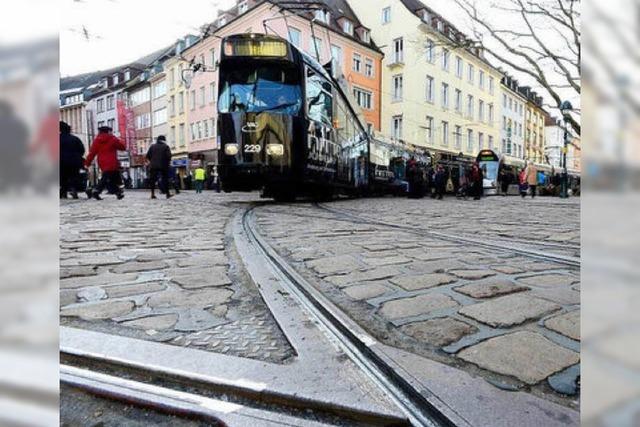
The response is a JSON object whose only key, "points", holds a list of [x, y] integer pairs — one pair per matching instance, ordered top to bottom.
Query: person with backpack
{"points": [[105, 147], [159, 159], [522, 183]]}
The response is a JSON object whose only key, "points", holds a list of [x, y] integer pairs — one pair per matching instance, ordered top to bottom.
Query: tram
{"points": [[286, 126], [489, 162]]}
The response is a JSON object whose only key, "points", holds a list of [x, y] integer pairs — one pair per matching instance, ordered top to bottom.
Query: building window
{"points": [[243, 6], [386, 15], [440, 26], [347, 27], [295, 36], [366, 36], [316, 47], [398, 50], [431, 51], [336, 54], [212, 56], [445, 59], [357, 62], [368, 67], [459, 67], [470, 73], [127, 75], [115, 79], [481, 79], [491, 85], [397, 87], [160, 89], [212, 90], [445, 95], [202, 96], [431, 96], [363, 98], [192, 100], [458, 101], [504, 101], [110, 102], [181, 103], [100, 105], [470, 107], [481, 110], [491, 114], [160, 116], [143, 121], [100, 123], [504, 123], [112, 124], [396, 126], [192, 128], [429, 129], [205, 131], [445, 133], [181, 135], [172, 137], [458, 137], [470, 140], [480, 141], [490, 142]]}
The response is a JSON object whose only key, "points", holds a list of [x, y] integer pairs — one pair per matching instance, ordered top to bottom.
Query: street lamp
{"points": [[565, 109]]}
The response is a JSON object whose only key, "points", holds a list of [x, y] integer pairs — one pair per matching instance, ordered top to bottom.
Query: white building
{"points": [[73, 111], [512, 113]]}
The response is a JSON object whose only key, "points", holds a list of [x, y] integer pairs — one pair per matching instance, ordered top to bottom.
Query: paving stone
{"points": [[374, 247], [96, 248], [424, 254], [157, 256], [204, 260], [387, 260], [99, 261], [333, 265], [139, 266], [438, 266], [541, 266], [507, 269], [82, 271], [473, 274], [363, 276], [202, 279], [549, 280], [422, 281], [490, 288], [134, 289], [365, 291], [94, 293], [67, 296], [563, 296], [199, 299], [414, 306], [100, 310], [509, 310], [159, 323], [567, 324], [439, 332], [526, 355]]}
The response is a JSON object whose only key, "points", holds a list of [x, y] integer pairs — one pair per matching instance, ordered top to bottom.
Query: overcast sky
{"points": [[120, 31]]}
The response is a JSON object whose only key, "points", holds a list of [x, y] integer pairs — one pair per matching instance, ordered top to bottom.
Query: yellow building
{"points": [[435, 93], [177, 102], [534, 141]]}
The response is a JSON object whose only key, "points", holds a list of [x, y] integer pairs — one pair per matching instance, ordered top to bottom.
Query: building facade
{"points": [[435, 93], [137, 106], [73, 111], [159, 112], [512, 113], [534, 126]]}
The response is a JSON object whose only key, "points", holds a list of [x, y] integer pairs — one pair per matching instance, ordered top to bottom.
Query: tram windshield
{"points": [[261, 88]]}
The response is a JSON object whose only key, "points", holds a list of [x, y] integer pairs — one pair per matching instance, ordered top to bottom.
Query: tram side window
{"points": [[319, 99]]}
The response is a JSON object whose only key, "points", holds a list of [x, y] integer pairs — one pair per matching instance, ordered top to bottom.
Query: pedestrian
{"points": [[105, 146], [159, 159], [71, 161], [199, 176], [476, 178], [532, 178], [174, 179], [440, 181], [522, 183], [463, 184]]}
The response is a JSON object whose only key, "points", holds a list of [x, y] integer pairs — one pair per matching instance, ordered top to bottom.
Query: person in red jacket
{"points": [[106, 147]]}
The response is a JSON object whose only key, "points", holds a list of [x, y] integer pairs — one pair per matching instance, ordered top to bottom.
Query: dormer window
{"points": [[243, 6], [322, 16], [426, 17], [222, 21], [441, 26], [347, 27], [452, 34], [366, 36], [127, 75], [115, 79], [104, 82]]}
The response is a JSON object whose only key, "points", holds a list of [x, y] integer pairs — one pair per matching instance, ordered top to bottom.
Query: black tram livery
{"points": [[285, 126]]}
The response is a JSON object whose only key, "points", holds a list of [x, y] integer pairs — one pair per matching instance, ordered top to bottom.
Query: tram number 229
{"points": [[252, 148]]}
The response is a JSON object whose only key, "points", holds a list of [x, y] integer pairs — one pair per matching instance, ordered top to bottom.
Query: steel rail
{"points": [[532, 253], [355, 342]]}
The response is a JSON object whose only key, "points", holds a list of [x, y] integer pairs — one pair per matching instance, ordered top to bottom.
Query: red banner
{"points": [[126, 127]]}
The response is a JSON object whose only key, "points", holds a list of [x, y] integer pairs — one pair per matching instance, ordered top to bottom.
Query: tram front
{"points": [[259, 112]]}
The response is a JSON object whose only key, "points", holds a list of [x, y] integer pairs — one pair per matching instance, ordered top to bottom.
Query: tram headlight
{"points": [[231, 149], [275, 150]]}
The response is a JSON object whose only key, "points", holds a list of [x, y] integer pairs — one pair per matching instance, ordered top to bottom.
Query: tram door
{"points": [[489, 162]]}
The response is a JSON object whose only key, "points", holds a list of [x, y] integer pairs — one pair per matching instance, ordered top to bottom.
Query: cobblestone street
{"points": [[169, 272]]}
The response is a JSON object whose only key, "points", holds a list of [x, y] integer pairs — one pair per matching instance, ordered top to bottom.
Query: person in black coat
{"points": [[159, 159], [71, 161]]}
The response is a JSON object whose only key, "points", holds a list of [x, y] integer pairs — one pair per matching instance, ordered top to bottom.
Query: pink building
{"points": [[337, 34]]}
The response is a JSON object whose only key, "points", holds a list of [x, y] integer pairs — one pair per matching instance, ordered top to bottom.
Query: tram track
{"points": [[501, 244], [421, 407]]}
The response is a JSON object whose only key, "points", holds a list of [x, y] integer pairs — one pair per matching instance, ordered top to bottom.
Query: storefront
{"points": [[181, 164]]}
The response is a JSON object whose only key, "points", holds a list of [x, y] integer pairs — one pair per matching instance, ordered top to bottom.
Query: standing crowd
{"points": [[104, 148]]}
